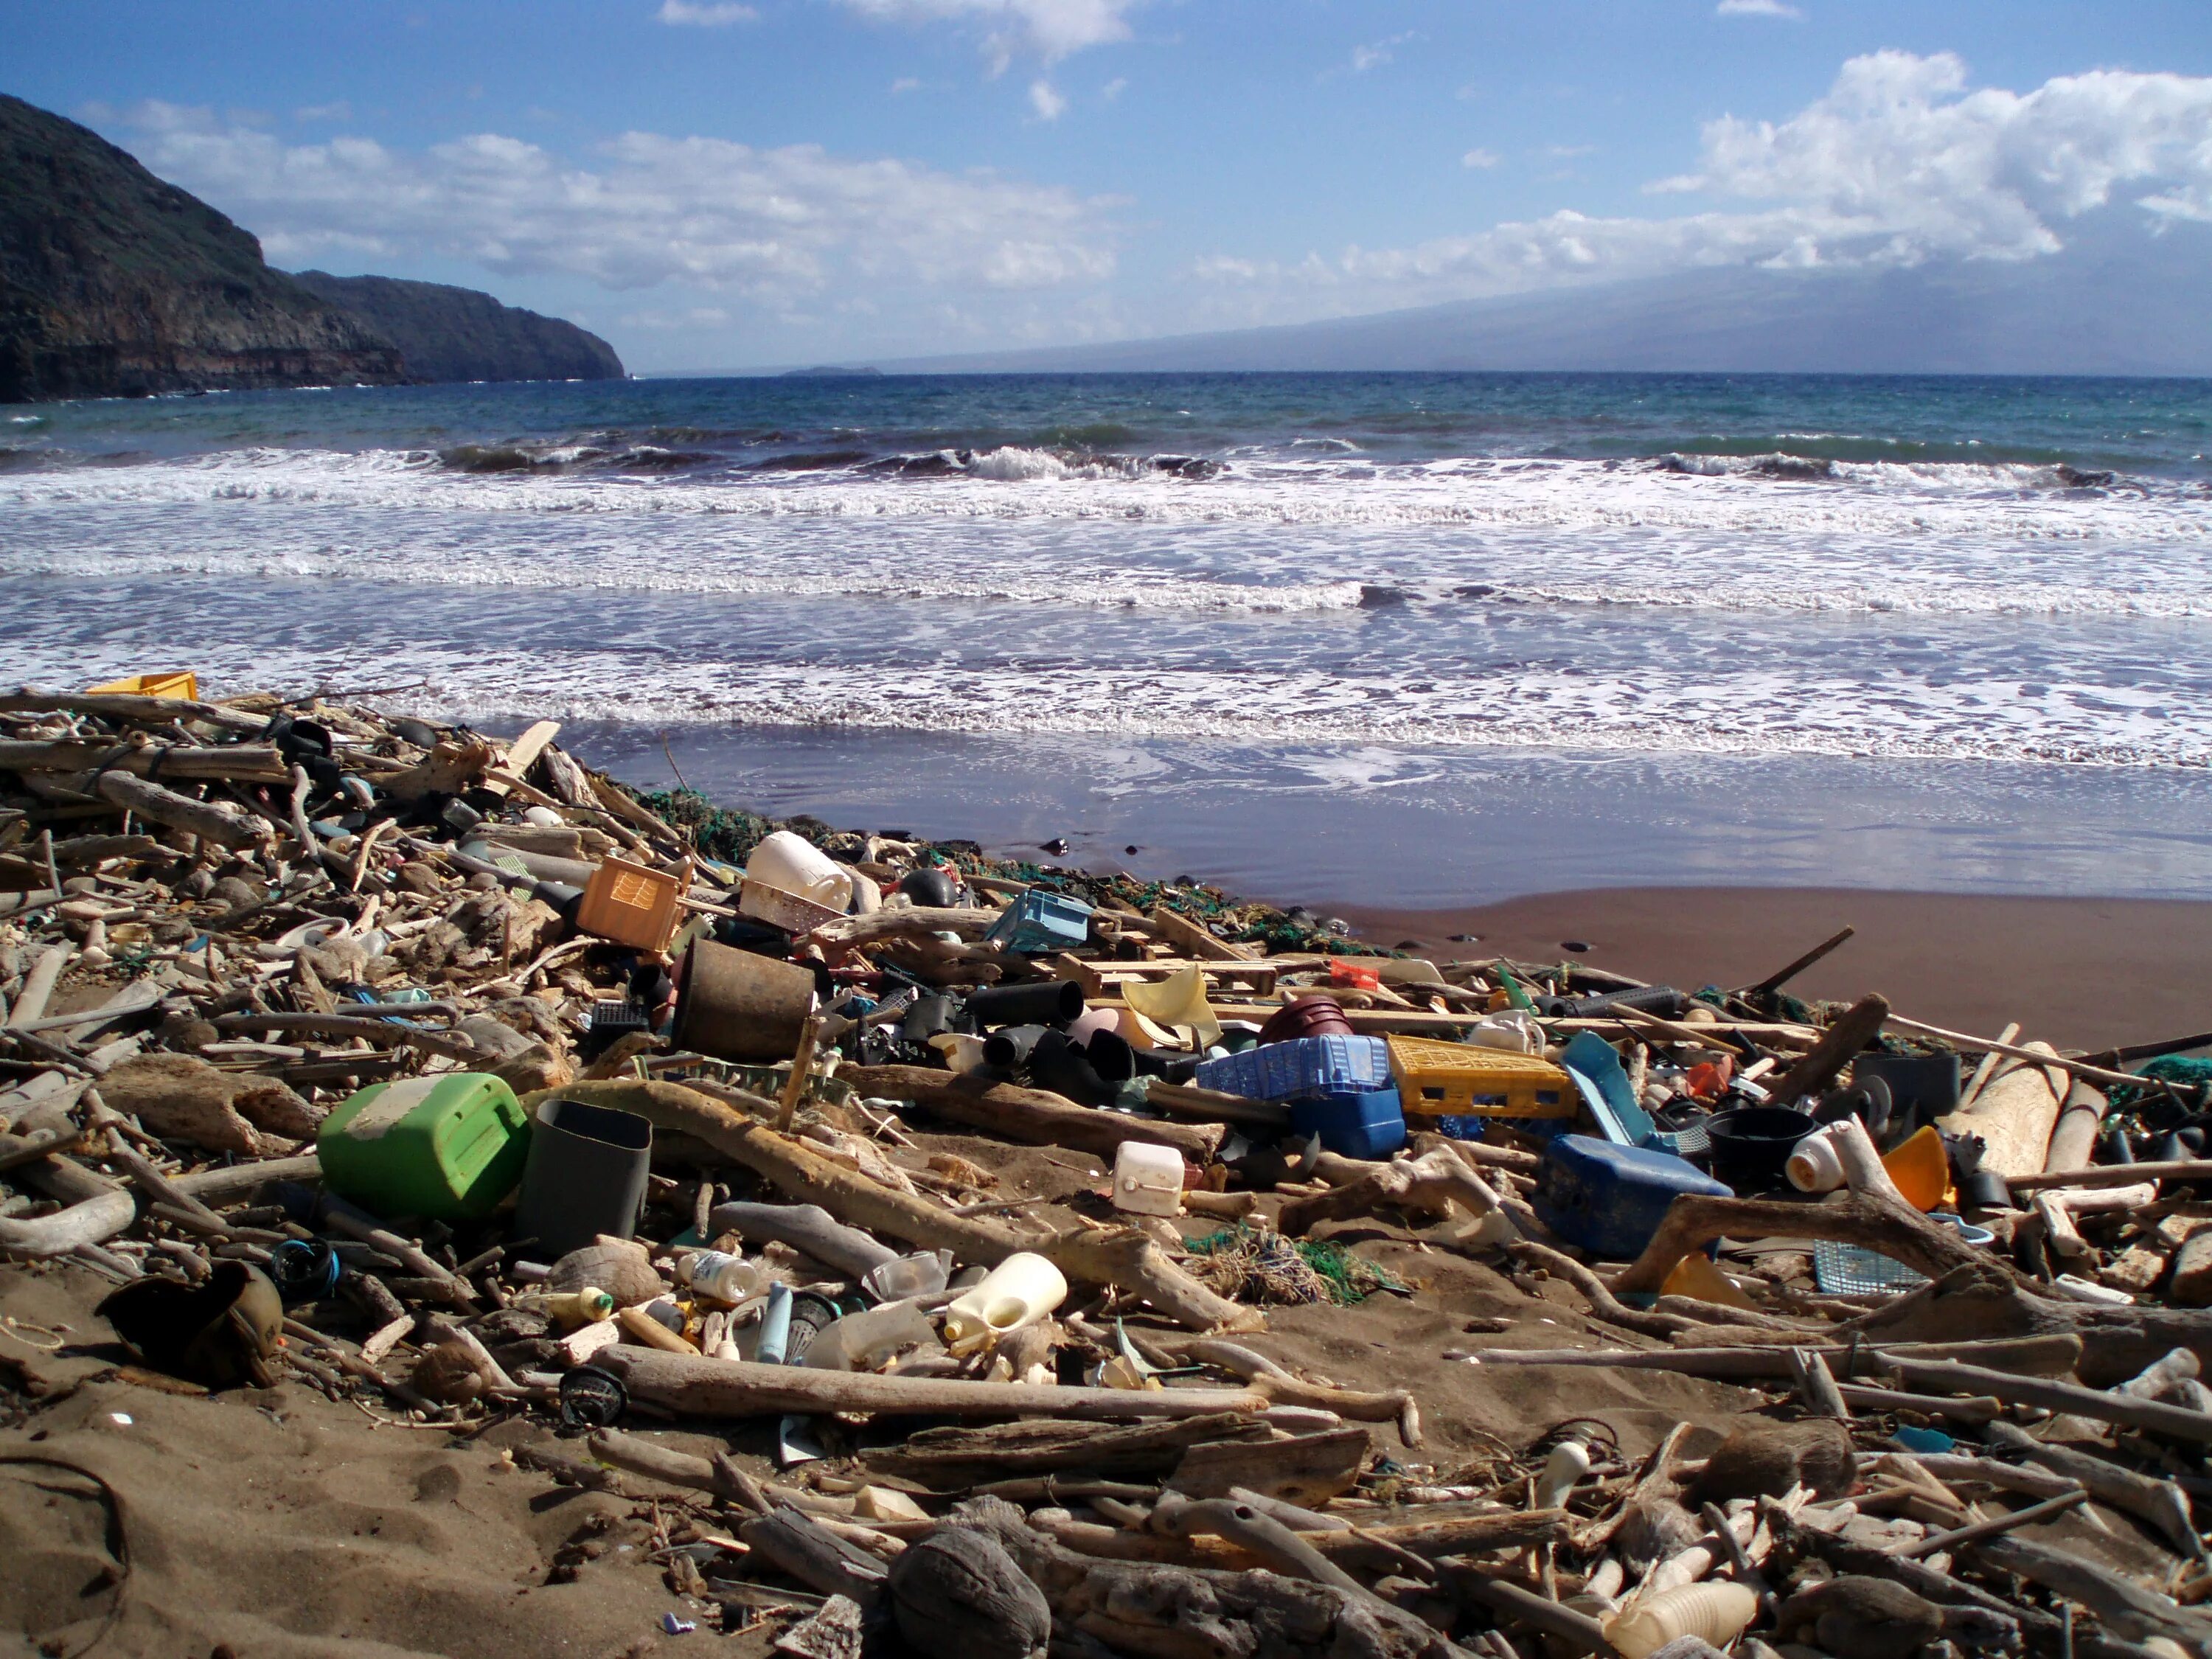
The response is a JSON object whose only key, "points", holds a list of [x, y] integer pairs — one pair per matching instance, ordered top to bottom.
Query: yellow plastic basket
{"points": [[186, 685], [1458, 1080]]}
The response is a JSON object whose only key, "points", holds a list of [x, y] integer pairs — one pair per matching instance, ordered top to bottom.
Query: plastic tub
{"points": [[792, 864], [627, 902], [737, 1006], [1308, 1017], [1922, 1087], [1367, 1123], [1751, 1146], [585, 1176], [1609, 1199], [1020, 1291]]}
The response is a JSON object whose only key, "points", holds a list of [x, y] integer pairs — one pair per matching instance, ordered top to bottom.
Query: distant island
{"points": [[114, 283], [829, 372]]}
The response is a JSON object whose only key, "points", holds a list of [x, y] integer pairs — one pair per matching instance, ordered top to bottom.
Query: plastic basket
{"points": [[185, 685], [631, 904], [778, 908], [1037, 920], [1304, 1068], [1458, 1080]]}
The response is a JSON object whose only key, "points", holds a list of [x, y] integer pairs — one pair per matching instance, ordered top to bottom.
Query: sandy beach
{"points": [[2082, 972]]}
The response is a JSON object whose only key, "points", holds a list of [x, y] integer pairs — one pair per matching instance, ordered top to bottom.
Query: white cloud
{"points": [[1756, 8], [705, 14], [1050, 29], [905, 83], [1113, 89], [1046, 100], [340, 111], [1480, 158], [1897, 163], [776, 227]]}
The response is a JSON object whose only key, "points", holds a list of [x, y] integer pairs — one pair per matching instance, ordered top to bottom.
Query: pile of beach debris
{"points": [[463, 1083]]}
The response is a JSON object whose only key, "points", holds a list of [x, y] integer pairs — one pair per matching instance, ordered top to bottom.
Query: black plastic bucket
{"points": [[1752, 1144], [585, 1175]]}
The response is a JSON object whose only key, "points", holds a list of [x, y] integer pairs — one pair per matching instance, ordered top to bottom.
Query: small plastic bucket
{"points": [[1751, 1146]]}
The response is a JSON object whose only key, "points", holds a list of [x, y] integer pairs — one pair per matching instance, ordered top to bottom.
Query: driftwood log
{"points": [[210, 822], [918, 923], [1033, 1116], [1431, 1182], [806, 1227], [1122, 1257], [695, 1386], [954, 1459], [1179, 1612]]}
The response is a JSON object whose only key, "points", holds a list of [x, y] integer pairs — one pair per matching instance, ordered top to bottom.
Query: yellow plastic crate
{"points": [[186, 685], [1458, 1080]]}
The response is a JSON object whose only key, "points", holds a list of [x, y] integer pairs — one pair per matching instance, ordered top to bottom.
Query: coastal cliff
{"points": [[115, 284], [459, 334]]}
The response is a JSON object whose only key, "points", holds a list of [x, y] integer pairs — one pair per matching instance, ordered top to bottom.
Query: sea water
{"points": [[1399, 638]]}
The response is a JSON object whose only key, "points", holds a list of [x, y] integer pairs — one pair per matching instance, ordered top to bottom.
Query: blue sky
{"points": [[714, 184]]}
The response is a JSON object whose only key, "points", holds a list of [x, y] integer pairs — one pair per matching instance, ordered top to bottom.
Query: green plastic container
{"points": [[444, 1148]]}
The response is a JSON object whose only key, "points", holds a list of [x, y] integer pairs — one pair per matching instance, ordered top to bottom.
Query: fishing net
{"points": [[1254, 1265]]}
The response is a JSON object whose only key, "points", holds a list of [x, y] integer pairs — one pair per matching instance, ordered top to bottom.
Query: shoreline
{"points": [[2073, 971]]}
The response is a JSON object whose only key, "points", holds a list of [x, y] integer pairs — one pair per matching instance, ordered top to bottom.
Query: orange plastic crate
{"points": [[632, 904], [1459, 1080]]}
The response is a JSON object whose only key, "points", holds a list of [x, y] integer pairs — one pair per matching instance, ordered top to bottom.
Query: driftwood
{"points": [[129, 708], [242, 761], [210, 822], [918, 923], [1858, 1025], [1214, 1106], [2015, 1114], [1032, 1116], [1431, 1182], [97, 1211], [805, 1227], [1898, 1230], [1122, 1257], [2037, 1355], [699, 1387], [1287, 1388], [2151, 1415], [953, 1459], [1308, 1469], [2160, 1503], [799, 1545], [957, 1595], [2120, 1606], [1186, 1613]]}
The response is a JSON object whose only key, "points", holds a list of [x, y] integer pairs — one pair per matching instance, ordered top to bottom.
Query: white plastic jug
{"points": [[792, 864], [1513, 1031], [1813, 1166], [1147, 1179], [1020, 1291], [1717, 1611]]}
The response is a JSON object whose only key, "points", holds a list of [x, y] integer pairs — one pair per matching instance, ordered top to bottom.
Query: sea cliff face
{"points": [[115, 284], [459, 334]]}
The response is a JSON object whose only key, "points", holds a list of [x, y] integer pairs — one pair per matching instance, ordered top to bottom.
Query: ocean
{"points": [[1393, 639]]}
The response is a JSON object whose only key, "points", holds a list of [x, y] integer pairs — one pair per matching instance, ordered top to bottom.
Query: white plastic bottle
{"points": [[792, 864], [721, 1276], [1020, 1291], [1717, 1611]]}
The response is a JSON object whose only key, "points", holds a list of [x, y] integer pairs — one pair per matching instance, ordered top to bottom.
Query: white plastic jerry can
{"points": [[1147, 1179], [1020, 1291]]}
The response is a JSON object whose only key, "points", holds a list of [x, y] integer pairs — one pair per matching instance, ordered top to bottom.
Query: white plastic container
{"points": [[790, 864], [1515, 1032], [1813, 1166], [1147, 1179], [922, 1274], [722, 1277], [1020, 1291], [862, 1341], [1568, 1463], [1717, 1611]]}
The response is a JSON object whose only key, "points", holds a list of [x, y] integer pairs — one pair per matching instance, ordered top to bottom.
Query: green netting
{"points": [[717, 831], [2182, 1070], [1259, 1265]]}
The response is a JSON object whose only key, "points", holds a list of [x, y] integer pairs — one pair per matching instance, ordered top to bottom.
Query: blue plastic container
{"points": [[1037, 920], [1303, 1068], [1367, 1123], [1609, 1199]]}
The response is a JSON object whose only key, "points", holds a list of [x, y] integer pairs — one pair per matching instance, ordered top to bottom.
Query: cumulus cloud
{"points": [[1756, 8], [705, 14], [1050, 29], [1046, 100], [340, 111], [1480, 158], [1898, 163], [776, 227]]}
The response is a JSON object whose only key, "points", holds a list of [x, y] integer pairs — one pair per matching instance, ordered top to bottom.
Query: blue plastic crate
{"points": [[1037, 920], [1304, 1068], [1366, 1123]]}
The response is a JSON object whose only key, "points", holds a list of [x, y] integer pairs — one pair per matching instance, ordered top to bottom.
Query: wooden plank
{"points": [[1182, 931]]}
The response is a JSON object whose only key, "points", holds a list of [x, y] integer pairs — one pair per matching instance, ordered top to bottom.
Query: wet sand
{"points": [[2084, 972]]}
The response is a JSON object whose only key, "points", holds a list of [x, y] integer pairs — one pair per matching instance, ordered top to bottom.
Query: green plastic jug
{"points": [[444, 1148]]}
